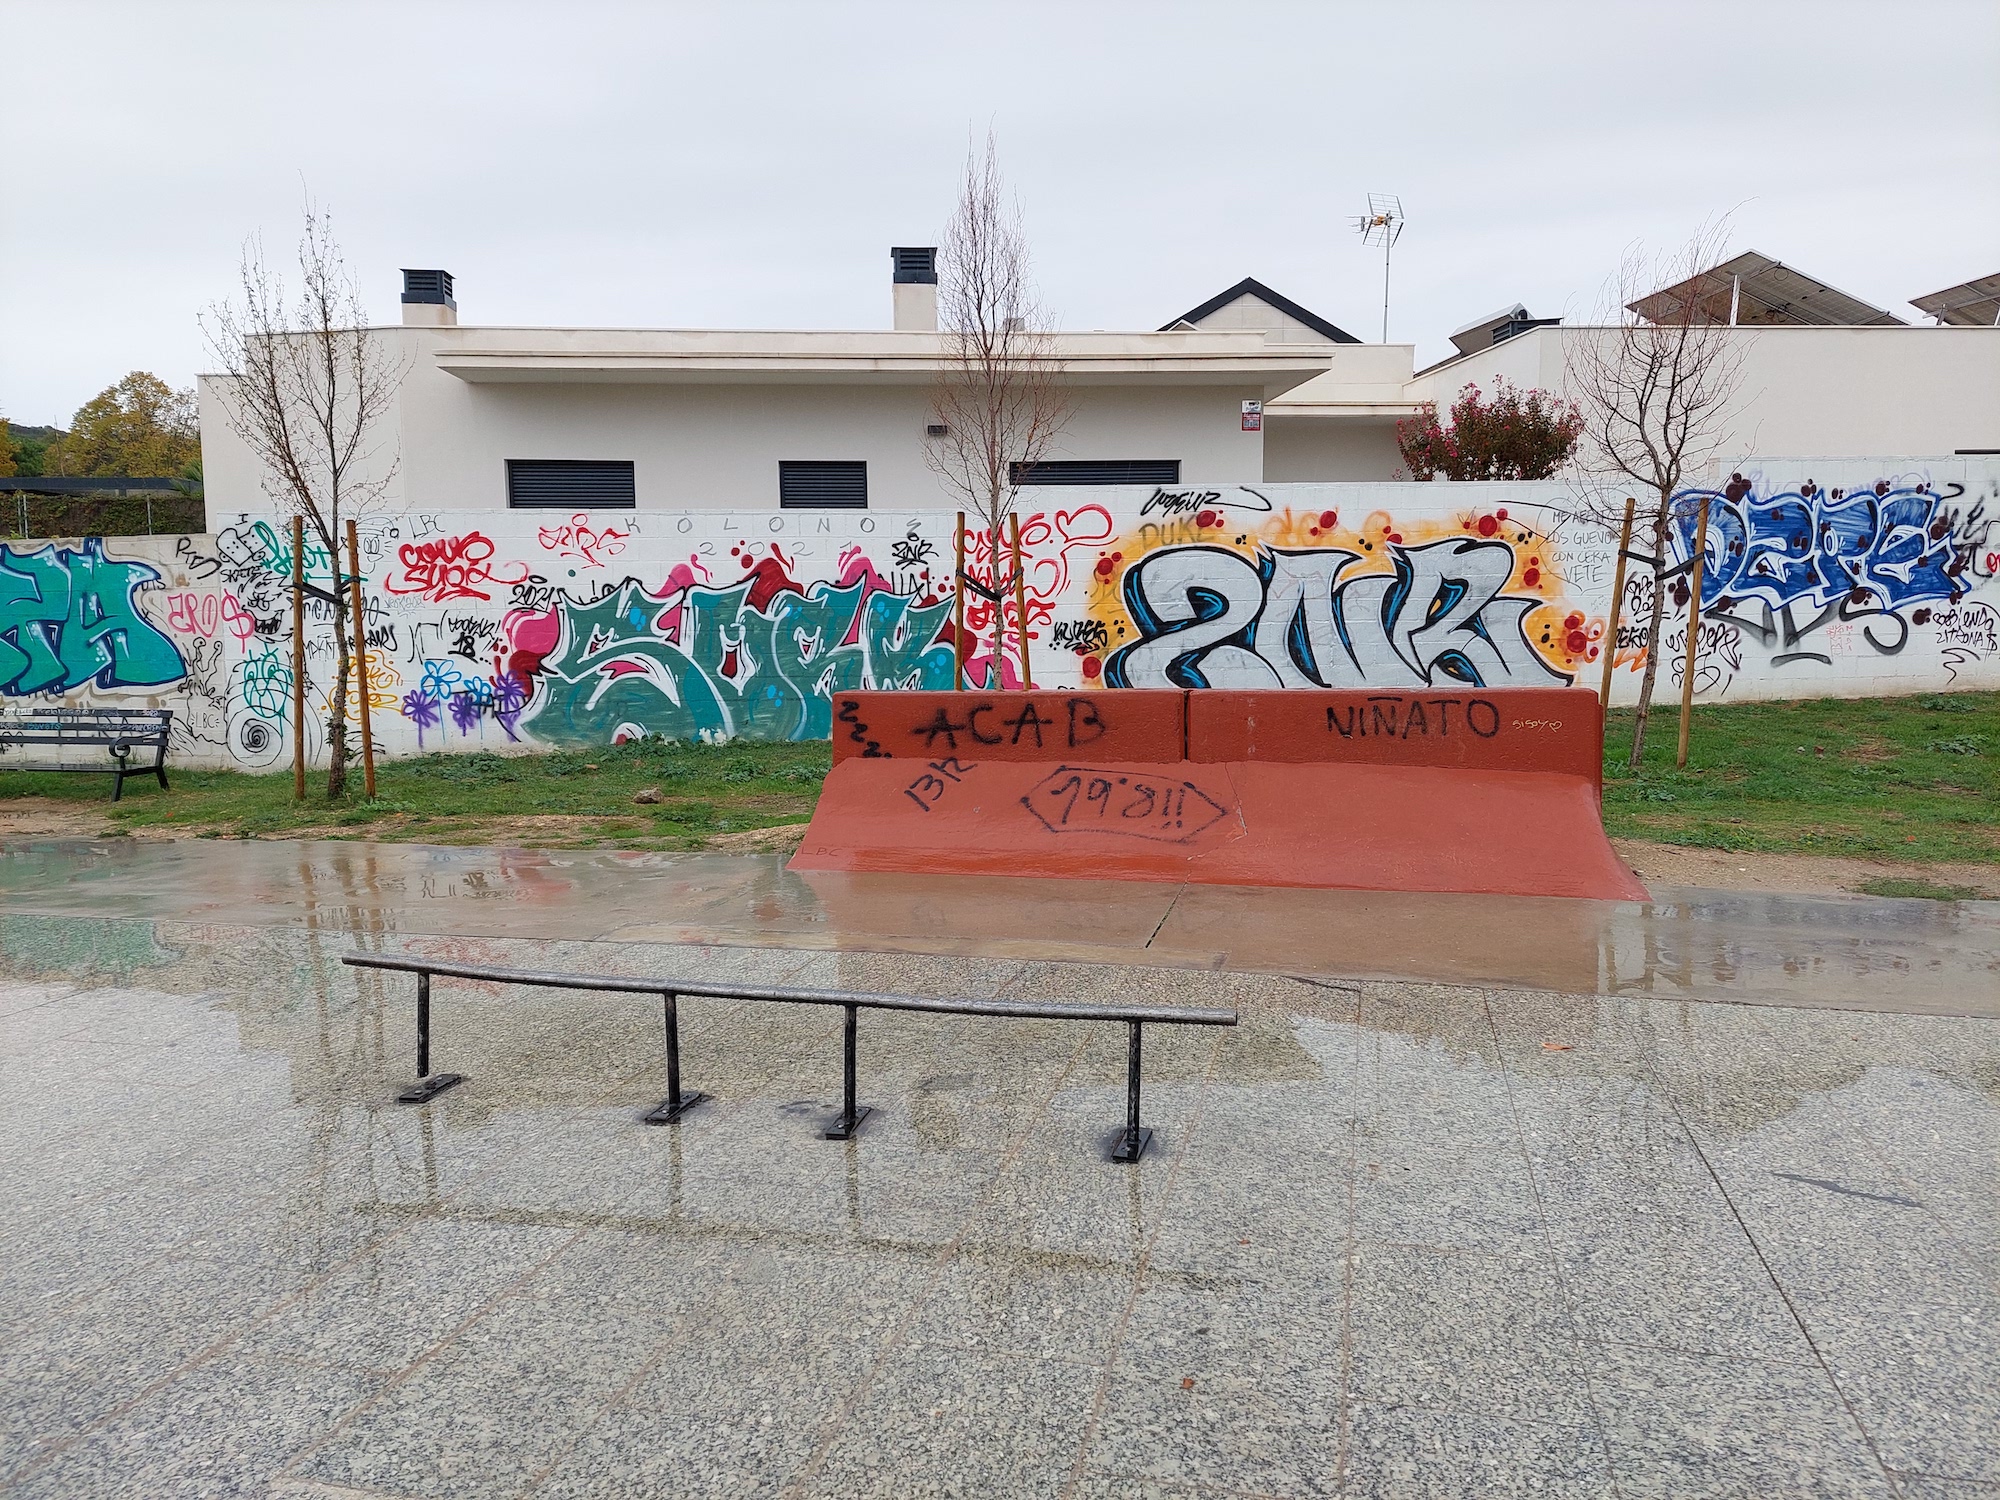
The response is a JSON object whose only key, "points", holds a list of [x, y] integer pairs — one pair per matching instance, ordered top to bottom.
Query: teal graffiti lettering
{"points": [[70, 618], [731, 670]]}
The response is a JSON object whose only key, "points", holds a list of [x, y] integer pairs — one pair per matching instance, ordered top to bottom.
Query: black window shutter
{"points": [[1099, 471], [822, 482], [570, 483]]}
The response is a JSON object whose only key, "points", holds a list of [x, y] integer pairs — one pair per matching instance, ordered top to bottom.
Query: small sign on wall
{"points": [[1253, 416]]}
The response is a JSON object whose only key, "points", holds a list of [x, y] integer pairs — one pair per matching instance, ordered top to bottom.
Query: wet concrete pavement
{"points": [[1841, 952], [1698, 1198], [1393, 1239]]}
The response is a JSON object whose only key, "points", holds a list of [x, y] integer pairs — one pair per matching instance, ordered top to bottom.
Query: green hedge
{"points": [[106, 515]]}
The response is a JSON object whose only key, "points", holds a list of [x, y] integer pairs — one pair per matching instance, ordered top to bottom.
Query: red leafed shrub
{"points": [[1515, 435]]}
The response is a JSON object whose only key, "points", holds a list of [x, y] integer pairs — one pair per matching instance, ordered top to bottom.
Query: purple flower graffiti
{"points": [[510, 696], [465, 710], [421, 711]]}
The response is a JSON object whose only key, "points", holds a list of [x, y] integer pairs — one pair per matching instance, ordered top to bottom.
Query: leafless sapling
{"points": [[307, 386], [1657, 391], [1000, 395]]}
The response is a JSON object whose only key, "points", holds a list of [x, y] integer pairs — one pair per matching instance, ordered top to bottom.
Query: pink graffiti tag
{"points": [[576, 538], [451, 567], [678, 582], [204, 614]]}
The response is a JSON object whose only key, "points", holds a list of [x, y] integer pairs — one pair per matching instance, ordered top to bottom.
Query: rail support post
{"points": [[428, 1084], [676, 1103], [851, 1114], [1131, 1142]]}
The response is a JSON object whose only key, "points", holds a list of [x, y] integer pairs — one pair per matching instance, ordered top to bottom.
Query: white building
{"points": [[710, 420]]}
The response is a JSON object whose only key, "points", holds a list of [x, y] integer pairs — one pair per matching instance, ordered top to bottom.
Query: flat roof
{"points": [[607, 356]]}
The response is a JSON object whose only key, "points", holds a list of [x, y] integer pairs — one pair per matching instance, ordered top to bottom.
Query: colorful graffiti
{"points": [[577, 538], [1886, 546], [452, 567], [1853, 567], [1232, 591], [205, 614], [1209, 617], [70, 618], [503, 630], [760, 659]]}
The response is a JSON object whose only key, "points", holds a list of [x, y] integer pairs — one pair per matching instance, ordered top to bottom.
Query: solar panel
{"points": [[1756, 290], [1970, 304]]}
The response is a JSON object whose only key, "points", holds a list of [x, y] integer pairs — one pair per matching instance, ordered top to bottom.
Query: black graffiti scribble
{"points": [[1186, 502], [913, 551], [1781, 629], [1081, 636], [471, 637], [849, 714], [1393, 717], [989, 723], [928, 788], [1164, 809]]}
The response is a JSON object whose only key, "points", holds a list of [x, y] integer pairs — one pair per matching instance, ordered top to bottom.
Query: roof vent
{"points": [[915, 264], [913, 288], [427, 298], [1509, 322]]}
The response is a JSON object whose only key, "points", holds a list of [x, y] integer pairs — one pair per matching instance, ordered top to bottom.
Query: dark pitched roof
{"points": [[1252, 287]]}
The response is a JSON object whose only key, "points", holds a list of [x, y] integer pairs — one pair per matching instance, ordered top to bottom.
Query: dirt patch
{"points": [[1869, 751], [45, 818], [541, 828], [784, 839], [1798, 874]]}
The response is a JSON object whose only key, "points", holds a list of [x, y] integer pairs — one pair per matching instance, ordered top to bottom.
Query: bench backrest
{"points": [[84, 725]]}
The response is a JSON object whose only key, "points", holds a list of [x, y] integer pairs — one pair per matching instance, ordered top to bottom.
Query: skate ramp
{"points": [[1489, 792]]}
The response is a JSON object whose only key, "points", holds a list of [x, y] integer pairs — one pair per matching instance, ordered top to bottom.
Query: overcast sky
{"points": [[747, 165]]}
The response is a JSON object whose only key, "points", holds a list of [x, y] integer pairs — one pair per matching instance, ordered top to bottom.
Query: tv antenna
{"points": [[1382, 225]]}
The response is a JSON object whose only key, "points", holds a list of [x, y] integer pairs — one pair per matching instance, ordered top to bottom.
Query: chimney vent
{"points": [[913, 287], [427, 299]]}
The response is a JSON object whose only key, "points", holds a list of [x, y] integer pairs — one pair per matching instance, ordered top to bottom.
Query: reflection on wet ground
{"points": [[1852, 952], [1393, 1239]]}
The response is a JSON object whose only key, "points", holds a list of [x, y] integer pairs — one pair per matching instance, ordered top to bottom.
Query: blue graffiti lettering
{"points": [[1884, 547]]}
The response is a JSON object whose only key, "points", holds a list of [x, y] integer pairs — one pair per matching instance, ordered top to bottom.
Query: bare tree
{"points": [[308, 384], [1656, 388], [1000, 395]]}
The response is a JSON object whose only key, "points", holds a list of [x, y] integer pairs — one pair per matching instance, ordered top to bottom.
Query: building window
{"points": [[1099, 471], [821, 483], [569, 484]]}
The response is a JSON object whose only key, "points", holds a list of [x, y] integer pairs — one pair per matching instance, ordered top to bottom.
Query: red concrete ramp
{"points": [[1418, 792]]}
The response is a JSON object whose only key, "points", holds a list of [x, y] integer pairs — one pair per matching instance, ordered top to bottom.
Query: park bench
{"points": [[119, 732]]}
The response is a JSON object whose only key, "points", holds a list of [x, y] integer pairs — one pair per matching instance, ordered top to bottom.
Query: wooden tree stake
{"points": [[1020, 599], [1617, 602], [958, 610], [1694, 633], [298, 658], [361, 665]]}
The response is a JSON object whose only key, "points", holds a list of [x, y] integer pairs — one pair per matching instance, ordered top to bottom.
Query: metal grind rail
{"points": [[1128, 1144]]}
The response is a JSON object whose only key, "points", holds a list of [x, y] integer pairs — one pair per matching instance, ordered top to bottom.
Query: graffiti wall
{"points": [[506, 630]]}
